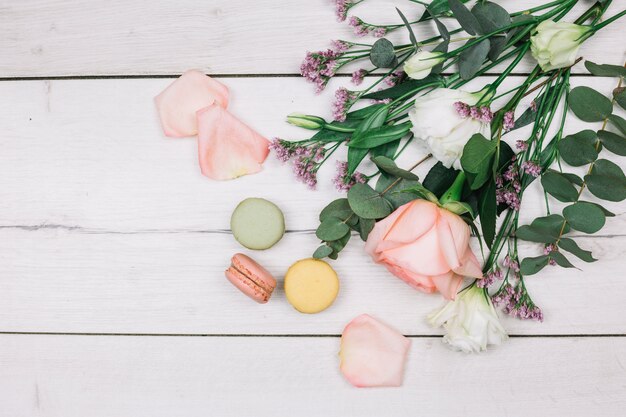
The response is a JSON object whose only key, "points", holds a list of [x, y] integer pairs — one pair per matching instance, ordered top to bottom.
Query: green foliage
{"points": [[491, 16], [466, 19], [383, 54], [472, 59], [605, 70], [404, 88], [619, 95], [589, 105], [373, 120], [618, 122], [380, 135], [613, 142], [579, 149], [477, 160], [388, 166], [439, 179], [606, 181], [559, 186], [393, 188], [368, 203], [487, 208], [584, 217], [545, 229], [571, 246], [322, 252], [530, 266]]}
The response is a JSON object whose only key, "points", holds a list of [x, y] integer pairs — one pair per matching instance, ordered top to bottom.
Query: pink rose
{"points": [[426, 246]]}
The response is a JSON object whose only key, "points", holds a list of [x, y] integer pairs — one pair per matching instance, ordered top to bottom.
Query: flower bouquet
{"points": [[487, 146]]}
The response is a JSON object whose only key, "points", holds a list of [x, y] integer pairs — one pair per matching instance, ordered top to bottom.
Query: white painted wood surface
{"points": [[108, 228]]}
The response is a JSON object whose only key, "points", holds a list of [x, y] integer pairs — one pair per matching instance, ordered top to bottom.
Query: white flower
{"points": [[556, 44], [420, 64], [436, 121], [470, 321]]}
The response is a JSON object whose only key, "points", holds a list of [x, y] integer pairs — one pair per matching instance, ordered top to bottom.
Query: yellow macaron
{"points": [[311, 285]]}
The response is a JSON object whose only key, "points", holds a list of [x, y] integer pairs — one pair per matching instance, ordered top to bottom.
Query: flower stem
{"points": [[455, 190]]}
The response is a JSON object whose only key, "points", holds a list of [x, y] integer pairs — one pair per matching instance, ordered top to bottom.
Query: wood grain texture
{"points": [[59, 38], [91, 154], [72, 376]]}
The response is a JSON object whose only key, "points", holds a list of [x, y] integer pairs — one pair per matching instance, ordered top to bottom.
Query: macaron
{"points": [[257, 223], [250, 278], [311, 285]]}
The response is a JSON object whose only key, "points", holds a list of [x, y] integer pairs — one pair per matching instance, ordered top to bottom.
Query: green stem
{"points": [[609, 21], [455, 190]]}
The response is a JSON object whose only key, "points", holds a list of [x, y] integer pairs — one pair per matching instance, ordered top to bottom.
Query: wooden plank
{"points": [[60, 38], [91, 154], [55, 280], [135, 376]]}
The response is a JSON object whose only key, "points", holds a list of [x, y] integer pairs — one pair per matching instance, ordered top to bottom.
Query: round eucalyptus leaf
{"points": [[382, 54], [589, 105], [613, 142], [578, 149], [559, 186], [368, 203], [584, 217], [332, 228], [322, 252]]}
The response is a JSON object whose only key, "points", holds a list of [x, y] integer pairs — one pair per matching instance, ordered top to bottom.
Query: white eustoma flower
{"points": [[556, 44], [422, 63], [435, 120], [470, 321]]}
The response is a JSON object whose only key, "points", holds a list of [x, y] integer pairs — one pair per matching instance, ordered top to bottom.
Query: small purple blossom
{"points": [[341, 9], [360, 27], [379, 32], [340, 46], [318, 67], [357, 76], [393, 78], [343, 101], [533, 105], [462, 109], [482, 114], [486, 115], [508, 121], [522, 145], [281, 149], [306, 164], [531, 168], [342, 181], [508, 197], [549, 248], [510, 263], [489, 278], [516, 302]]}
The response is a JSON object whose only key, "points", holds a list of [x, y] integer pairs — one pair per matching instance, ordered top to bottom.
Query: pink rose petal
{"points": [[178, 103], [227, 147], [372, 354]]}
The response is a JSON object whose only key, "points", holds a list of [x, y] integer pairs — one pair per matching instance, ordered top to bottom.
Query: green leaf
{"points": [[491, 16], [466, 19], [408, 28], [443, 30], [383, 54], [472, 59], [605, 70], [405, 88], [620, 97], [589, 105], [365, 112], [375, 119], [525, 119], [618, 122], [327, 135], [380, 135], [613, 142], [388, 149], [578, 149], [355, 156], [477, 159], [389, 166], [573, 178], [439, 179], [606, 181], [559, 186], [395, 194], [368, 203], [338, 208], [487, 208], [584, 217], [364, 227], [332, 228], [545, 229], [338, 245], [571, 246], [322, 252], [561, 260], [531, 266]]}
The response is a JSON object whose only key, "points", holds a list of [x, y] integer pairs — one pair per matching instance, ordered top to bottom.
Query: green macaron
{"points": [[257, 223]]}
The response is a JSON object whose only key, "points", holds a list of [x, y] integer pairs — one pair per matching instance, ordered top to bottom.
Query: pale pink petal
{"points": [[178, 103], [227, 147], [418, 219], [381, 229], [459, 229], [447, 245], [423, 256], [469, 265], [419, 282], [448, 284], [372, 354]]}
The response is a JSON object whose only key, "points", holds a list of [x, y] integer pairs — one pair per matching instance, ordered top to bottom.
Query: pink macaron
{"points": [[251, 278]]}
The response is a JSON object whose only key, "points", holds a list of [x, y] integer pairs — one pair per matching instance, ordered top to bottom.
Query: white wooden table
{"points": [[112, 245]]}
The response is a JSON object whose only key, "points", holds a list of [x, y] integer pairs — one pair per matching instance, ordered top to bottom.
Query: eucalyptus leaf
{"points": [[491, 16], [466, 19], [408, 28], [443, 30], [497, 45], [383, 54], [472, 59], [605, 70], [620, 97], [589, 105], [525, 118], [618, 122], [613, 142], [578, 149], [477, 159], [389, 166], [573, 178], [439, 179], [606, 181], [559, 186], [393, 188], [368, 203], [339, 208], [584, 217], [364, 227], [332, 228], [545, 229], [338, 245], [571, 246], [322, 252], [561, 260], [530, 266]]}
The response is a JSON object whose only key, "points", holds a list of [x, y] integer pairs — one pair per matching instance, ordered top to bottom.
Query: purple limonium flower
{"points": [[342, 7], [360, 27], [379, 32], [340, 46], [318, 67], [357, 76], [393, 78], [343, 101], [533, 105], [462, 109], [486, 115], [508, 121], [521, 145], [282, 149], [306, 164], [531, 168], [342, 181], [508, 197], [510, 263], [489, 278], [516, 302]]}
